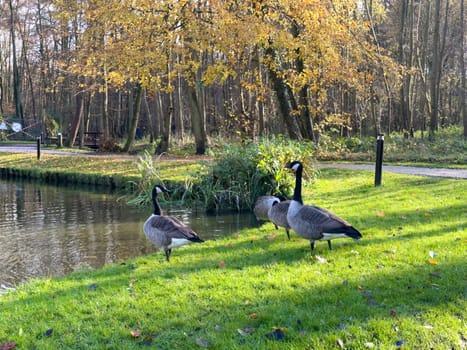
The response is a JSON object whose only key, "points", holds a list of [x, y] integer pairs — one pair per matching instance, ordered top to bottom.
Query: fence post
{"points": [[59, 140], [38, 148], [379, 159]]}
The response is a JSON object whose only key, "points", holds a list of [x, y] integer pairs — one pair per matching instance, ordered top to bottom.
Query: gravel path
{"points": [[408, 170]]}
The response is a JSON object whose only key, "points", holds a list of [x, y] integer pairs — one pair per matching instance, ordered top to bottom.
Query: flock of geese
{"points": [[310, 222]]}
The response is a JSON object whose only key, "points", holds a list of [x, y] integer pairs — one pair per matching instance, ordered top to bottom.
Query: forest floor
{"points": [[407, 170]]}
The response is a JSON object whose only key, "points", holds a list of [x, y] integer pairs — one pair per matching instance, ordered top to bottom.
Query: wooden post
{"points": [[59, 140], [38, 148], [379, 159]]}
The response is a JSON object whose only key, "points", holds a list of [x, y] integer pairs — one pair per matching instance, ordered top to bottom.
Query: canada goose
{"points": [[262, 206], [277, 213], [315, 223], [167, 232]]}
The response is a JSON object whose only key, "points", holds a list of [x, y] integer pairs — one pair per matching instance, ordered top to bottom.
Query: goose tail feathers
{"points": [[348, 231], [196, 240]]}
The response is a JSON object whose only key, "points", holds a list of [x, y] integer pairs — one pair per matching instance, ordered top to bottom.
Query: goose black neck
{"points": [[297, 194], [155, 202]]}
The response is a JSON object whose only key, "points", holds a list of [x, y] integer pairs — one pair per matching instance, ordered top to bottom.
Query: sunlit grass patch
{"points": [[403, 284]]}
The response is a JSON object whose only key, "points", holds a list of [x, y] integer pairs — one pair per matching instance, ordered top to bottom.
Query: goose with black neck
{"points": [[312, 222], [167, 232]]}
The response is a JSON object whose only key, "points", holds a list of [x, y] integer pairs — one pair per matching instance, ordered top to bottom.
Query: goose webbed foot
{"points": [[167, 253]]}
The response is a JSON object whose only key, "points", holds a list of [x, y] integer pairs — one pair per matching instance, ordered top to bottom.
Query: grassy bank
{"points": [[105, 171], [402, 285]]}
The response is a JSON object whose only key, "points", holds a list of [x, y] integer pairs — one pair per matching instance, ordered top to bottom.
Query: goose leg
{"points": [[276, 227], [288, 234], [312, 245], [329, 245], [167, 253]]}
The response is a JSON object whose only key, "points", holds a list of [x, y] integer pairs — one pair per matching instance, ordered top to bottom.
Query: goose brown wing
{"points": [[322, 218], [172, 227]]}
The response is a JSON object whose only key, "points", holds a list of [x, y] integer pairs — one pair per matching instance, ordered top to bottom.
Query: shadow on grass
{"points": [[374, 301]]}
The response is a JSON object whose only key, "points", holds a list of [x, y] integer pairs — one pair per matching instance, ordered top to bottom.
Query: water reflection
{"points": [[50, 231]]}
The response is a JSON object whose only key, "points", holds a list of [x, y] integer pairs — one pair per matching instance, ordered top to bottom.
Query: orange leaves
{"points": [[380, 214]]}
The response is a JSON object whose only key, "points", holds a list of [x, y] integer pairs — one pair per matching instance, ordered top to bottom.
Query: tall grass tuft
{"points": [[149, 168], [241, 173]]}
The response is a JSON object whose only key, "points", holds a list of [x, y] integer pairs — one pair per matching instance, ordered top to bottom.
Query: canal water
{"points": [[51, 231]]}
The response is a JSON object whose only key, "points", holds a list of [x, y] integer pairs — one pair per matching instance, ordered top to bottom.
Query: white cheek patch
{"points": [[295, 167], [178, 242]]}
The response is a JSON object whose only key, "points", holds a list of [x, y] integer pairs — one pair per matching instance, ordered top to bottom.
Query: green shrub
{"points": [[241, 173]]}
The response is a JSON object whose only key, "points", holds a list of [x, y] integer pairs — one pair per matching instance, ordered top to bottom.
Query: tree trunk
{"points": [[435, 72], [16, 77], [463, 95], [135, 113], [197, 121], [75, 123], [166, 126]]}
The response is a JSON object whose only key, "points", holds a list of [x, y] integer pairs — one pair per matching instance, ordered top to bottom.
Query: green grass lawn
{"points": [[403, 285]]}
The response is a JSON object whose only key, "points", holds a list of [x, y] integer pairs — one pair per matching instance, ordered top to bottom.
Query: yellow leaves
{"points": [[217, 72], [116, 78], [380, 214]]}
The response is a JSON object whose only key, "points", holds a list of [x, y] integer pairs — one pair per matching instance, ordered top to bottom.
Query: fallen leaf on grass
{"points": [[380, 214], [427, 214], [270, 236], [320, 259], [432, 262], [221, 264], [92, 287], [393, 313], [253, 315], [245, 331], [135, 333], [277, 334], [147, 340], [204, 343], [399, 343], [340, 344], [8, 346]]}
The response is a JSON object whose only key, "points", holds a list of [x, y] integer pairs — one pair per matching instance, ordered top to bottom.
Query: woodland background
{"points": [[194, 71]]}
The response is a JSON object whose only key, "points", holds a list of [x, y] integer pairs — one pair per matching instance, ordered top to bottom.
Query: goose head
{"points": [[295, 165], [158, 189]]}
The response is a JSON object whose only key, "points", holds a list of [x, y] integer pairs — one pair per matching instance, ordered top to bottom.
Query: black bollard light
{"points": [[38, 148], [379, 159]]}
